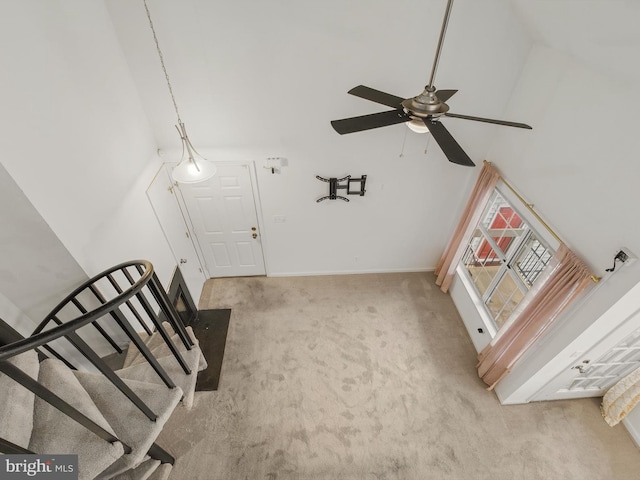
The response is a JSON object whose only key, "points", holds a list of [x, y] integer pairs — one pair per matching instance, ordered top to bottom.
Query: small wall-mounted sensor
{"points": [[275, 164]]}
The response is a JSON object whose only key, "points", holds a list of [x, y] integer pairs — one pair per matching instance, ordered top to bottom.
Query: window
{"points": [[503, 259]]}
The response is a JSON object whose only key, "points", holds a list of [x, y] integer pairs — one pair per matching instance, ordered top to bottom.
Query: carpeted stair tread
{"points": [[151, 341], [158, 347], [162, 350], [132, 351], [144, 373], [16, 402], [129, 423], [56, 433], [144, 471], [162, 472]]}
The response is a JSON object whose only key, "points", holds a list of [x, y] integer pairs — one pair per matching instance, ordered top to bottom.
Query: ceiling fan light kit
{"points": [[421, 113], [417, 126], [189, 169]]}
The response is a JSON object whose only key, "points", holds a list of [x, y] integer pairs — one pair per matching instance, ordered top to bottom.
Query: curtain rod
{"points": [[594, 278]]}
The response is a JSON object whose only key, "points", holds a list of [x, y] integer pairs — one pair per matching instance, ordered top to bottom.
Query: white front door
{"points": [[162, 195], [225, 222]]}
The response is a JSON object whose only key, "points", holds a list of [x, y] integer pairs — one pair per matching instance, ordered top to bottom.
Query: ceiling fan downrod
{"points": [[443, 31], [427, 104]]}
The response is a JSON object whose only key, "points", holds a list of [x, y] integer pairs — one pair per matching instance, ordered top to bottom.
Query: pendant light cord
{"points": [[164, 68], [189, 171]]}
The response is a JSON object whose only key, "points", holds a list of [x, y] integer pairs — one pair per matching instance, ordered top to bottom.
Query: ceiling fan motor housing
{"points": [[425, 105]]}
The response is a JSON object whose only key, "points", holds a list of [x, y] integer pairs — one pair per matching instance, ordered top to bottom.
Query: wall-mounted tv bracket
{"points": [[335, 185]]}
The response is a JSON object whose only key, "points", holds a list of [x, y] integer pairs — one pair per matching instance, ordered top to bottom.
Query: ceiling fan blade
{"points": [[444, 95], [376, 96], [489, 120], [367, 122], [448, 144]]}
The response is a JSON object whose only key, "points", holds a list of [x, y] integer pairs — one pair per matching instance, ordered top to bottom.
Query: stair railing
{"points": [[126, 293]]}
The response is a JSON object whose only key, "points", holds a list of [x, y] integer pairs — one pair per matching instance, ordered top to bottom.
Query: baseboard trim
{"points": [[348, 272], [633, 431]]}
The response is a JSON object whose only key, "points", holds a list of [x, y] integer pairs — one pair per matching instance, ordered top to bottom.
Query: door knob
{"points": [[253, 228], [255, 235], [183, 260], [582, 368]]}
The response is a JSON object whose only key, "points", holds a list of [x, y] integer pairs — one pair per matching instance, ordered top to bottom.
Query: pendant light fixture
{"points": [[189, 169]]}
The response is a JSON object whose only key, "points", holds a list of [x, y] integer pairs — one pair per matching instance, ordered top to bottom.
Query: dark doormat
{"points": [[210, 328]]}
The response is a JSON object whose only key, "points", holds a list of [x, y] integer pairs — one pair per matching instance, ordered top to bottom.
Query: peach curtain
{"points": [[480, 195], [565, 277]]}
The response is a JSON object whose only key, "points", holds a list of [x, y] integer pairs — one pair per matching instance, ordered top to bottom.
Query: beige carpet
{"points": [[372, 377]]}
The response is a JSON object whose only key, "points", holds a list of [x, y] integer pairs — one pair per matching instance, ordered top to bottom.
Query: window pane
{"points": [[502, 223], [504, 257], [531, 260], [481, 261], [504, 299]]}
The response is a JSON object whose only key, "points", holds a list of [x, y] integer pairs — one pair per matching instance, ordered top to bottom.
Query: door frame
{"points": [[164, 171], [257, 201]]}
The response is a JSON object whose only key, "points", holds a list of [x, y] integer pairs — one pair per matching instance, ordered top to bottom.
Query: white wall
{"points": [[75, 138], [577, 164], [578, 169], [579, 175], [399, 225], [132, 232], [36, 270], [15, 317]]}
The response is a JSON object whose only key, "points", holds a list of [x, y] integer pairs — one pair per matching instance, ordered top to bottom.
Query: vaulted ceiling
{"points": [[602, 34], [274, 73]]}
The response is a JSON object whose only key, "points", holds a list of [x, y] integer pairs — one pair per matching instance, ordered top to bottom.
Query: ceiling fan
{"points": [[424, 110]]}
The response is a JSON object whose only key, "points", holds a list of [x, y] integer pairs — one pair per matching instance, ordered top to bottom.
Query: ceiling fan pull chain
{"points": [[404, 140], [426, 147]]}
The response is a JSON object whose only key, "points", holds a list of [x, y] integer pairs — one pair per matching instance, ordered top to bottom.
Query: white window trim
{"points": [[535, 226], [486, 318]]}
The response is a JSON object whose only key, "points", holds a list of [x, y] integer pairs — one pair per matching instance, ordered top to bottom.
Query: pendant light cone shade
{"points": [[418, 126], [191, 170]]}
